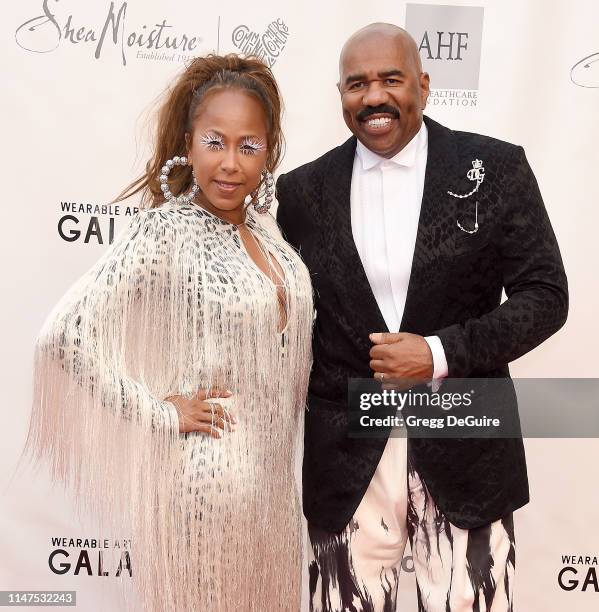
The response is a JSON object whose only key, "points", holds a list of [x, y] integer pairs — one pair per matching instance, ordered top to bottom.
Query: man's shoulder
{"points": [[469, 142], [484, 142]]}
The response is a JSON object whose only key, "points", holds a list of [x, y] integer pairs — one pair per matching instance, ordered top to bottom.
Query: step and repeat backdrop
{"points": [[81, 79]]}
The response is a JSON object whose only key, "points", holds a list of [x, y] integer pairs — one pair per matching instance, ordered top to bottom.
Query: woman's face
{"points": [[227, 150]]}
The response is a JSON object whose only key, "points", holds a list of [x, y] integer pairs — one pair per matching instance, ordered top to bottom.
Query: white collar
{"points": [[405, 157]]}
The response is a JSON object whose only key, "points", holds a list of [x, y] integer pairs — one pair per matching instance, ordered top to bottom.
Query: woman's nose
{"points": [[230, 160]]}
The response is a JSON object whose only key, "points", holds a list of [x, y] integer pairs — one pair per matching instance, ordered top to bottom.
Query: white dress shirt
{"points": [[386, 195]]}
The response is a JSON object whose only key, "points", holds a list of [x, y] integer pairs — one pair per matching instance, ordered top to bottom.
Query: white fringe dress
{"points": [[176, 305]]}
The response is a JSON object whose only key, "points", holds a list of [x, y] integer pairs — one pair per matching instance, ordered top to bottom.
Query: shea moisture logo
{"points": [[46, 32]]}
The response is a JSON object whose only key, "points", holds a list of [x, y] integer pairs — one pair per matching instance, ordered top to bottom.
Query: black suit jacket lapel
{"points": [[434, 239], [433, 251], [344, 263]]}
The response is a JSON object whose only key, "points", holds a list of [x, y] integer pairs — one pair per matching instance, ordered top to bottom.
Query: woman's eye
{"points": [[212, 142], [215, 144], [251, 147], [247, 150]]}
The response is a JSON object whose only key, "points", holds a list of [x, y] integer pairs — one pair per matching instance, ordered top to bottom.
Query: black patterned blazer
{"points": [[454, 292]]}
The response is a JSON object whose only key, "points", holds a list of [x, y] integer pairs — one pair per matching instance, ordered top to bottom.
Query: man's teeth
{"points": [[379, 122]]}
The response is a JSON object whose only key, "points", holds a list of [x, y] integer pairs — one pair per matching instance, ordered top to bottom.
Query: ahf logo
{"points": [[449, 40]]}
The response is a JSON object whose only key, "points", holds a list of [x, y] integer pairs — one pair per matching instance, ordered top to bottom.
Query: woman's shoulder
{"points": [[164, 210], [177, 216], [183, 218], [266, 221], [269, 225]]}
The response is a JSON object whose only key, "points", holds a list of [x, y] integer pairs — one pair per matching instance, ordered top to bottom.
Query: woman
{"points": [[170, 380]]}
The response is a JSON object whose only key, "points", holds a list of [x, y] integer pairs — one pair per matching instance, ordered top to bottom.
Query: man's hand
{"points": [[401, 355]]}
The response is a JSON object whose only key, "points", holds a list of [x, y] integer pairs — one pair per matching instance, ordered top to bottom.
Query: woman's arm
{"points": [[116, 335], [83, 341]]}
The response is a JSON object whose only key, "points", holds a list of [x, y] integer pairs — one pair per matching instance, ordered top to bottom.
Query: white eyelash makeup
{"points": [[214, 142], [248, 146], [251, 146]]}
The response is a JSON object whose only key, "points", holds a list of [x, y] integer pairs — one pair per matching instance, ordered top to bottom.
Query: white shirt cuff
{"points": [[440, 369]]}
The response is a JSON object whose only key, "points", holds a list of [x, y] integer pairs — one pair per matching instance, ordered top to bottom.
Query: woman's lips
{"points": [[226, 186]]}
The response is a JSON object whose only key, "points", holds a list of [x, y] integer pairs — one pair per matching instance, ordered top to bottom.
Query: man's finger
{"points": [[385, 338], [379, 351], [378, 365]]}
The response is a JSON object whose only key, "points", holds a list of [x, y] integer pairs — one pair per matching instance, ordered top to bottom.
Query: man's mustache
{"points": [[375, 110]]}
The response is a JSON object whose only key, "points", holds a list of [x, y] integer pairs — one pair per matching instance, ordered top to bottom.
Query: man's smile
{"points": [[378, 124]]}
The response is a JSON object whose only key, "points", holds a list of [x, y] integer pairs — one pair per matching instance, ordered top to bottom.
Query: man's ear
{"points": [[424, 88]]}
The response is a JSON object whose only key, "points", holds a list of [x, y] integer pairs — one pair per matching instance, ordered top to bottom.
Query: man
{"points": [[414, 228]]}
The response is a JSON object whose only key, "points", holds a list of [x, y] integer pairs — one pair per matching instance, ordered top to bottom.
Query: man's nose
{"points": [[375, 95]]}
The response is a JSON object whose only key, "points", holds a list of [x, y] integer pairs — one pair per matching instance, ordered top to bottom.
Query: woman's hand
{"points": [[196, 414]]}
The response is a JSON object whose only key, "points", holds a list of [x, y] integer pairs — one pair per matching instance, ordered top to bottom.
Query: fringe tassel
{"points": [[175, 306]]}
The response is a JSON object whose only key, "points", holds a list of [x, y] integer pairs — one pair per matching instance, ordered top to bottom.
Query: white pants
{"points": [[457, 570]]}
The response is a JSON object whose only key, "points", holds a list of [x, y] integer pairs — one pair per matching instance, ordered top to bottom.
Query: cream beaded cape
{"points": [[176, 305]]}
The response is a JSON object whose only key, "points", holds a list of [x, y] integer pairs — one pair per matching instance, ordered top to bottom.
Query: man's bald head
{"points": [[383, 34], [382, 86]]}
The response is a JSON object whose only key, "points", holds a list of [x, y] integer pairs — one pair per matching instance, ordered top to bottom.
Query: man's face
{"points": [[382, 93]]}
